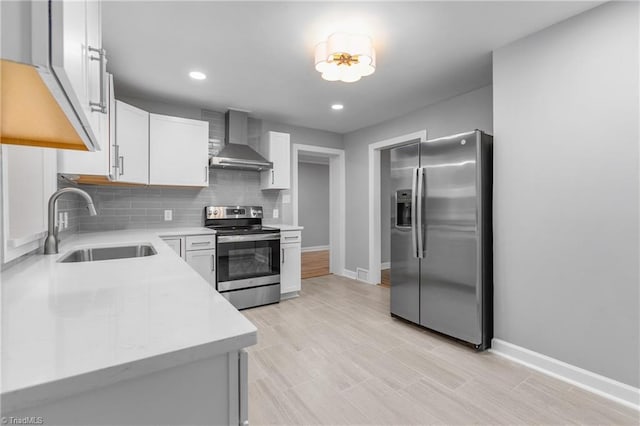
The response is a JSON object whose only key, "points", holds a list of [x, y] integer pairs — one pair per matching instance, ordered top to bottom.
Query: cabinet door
{"points": [[71, 22], [69, 53], [96, 79], [132, 144], [178, 151], [278, 151], [281, 157], [98, 163], [28, 180], [176, 244], [204, 262], [290, 268]]}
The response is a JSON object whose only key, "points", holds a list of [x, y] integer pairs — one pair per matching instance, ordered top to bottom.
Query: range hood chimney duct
{"points": [[237, 154]]}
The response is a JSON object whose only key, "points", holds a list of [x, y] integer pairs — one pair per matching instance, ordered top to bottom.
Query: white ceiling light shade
{"points": [[345, 57], [197, 75], [337, 107]]}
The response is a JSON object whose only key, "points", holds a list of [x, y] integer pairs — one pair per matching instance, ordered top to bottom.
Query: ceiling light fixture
{"points": [[345, 57], [197, 75], [337, 107]]}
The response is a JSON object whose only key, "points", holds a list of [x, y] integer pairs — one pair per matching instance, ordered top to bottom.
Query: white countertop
{"points": [[285, 227], [70, 327]]}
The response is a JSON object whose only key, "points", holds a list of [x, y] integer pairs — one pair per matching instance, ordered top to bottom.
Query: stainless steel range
{"points": [[247, 255]]}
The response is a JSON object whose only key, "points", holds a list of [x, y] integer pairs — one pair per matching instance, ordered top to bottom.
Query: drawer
{"points": [[290, 237], [201, 242]]}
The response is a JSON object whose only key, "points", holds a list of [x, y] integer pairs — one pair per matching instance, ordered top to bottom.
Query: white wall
{"points": [[472, 110], [304, 136], [566, 192], [313, 203]]}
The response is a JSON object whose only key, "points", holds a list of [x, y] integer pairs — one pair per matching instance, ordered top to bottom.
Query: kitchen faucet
{"points": [[51, 243]]}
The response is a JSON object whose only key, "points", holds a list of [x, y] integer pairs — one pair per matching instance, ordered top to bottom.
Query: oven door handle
{"points": [[252, 237]]}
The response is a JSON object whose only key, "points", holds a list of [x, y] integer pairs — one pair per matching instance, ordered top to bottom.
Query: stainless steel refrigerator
{"points": [[441, 236]]}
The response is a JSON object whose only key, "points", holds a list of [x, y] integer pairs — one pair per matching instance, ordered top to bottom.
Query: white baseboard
{"points": [[314, 248], [385, 265], [349, 274], [361, 275], [290, 295], [585, 379]]}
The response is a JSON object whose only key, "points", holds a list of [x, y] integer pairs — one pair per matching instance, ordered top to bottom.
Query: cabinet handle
{"points": [[100, 106], [116, 157], [121, 166], [206, 174], [272, 177], [291, 238], [201, 243], [282, 256], [213, 262]]}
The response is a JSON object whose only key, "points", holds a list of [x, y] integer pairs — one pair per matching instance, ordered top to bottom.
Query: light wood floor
{"points": [[315, 264], [385, 278], [335, 356]]}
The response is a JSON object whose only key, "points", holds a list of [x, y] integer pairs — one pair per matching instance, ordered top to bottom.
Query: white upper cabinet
{"points": [[79, 61], [54, 67], [97, 103], [277, 149], [131, 151], [178, 151], [99, 163]]}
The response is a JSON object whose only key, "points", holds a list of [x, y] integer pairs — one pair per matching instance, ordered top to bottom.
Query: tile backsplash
{"points": [[143, 207]]}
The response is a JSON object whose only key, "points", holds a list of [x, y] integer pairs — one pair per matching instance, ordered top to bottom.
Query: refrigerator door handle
{"points": [[420, 213], [414, 217]]}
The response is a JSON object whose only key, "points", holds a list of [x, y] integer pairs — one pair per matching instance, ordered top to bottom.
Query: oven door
{"points": [[247, 261]]}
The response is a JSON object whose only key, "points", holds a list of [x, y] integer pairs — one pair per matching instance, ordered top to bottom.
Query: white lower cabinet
{"points": [[176, 244], [199, 252], [290, 262], [204, 263], [210, 391]]}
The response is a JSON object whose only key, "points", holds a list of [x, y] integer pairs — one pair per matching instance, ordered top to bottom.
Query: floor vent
{"points": [[362, 275]]}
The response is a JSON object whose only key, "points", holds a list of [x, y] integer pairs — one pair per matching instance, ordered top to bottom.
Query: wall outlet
{"points": [[286, 198], [276, 213], [168, 215], [65, 216], [61, 221]]}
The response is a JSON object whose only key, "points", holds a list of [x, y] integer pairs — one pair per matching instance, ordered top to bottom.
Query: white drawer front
{"points": [[290, 237], [201, 242]]}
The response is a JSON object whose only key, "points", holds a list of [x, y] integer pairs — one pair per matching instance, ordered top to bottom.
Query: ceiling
{"points": [[258, 56]]}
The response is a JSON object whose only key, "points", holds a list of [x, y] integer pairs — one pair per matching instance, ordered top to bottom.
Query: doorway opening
{"points": [[318, 198], [375, 207], [385, 220]]}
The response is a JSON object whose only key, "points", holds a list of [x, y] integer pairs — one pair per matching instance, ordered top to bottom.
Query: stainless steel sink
{"points": [[94, 254]]}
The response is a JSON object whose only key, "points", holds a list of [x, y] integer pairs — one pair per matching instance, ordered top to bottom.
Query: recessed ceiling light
{"points": [[197, 75], [337, 107]]}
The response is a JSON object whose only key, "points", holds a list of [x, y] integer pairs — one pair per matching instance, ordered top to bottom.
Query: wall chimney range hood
{"points": [[237, 154]]}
